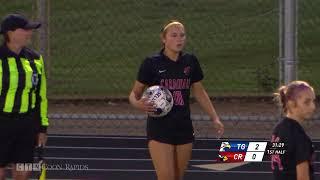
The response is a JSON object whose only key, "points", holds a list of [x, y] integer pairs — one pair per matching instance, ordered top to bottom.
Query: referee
{"points": [[23, 101]]}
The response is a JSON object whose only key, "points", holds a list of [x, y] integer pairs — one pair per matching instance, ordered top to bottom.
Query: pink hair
{"points": [[290, 92]]}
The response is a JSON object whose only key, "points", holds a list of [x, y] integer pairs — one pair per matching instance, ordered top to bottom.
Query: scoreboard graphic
{"points": [[245, 151]]}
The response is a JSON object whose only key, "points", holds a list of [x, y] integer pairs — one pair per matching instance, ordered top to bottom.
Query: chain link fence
{"points": [[309, 21], [104, 43], [94, 49]]}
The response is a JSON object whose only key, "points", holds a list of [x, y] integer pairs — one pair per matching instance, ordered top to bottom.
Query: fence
{"points": [[94, 49]]}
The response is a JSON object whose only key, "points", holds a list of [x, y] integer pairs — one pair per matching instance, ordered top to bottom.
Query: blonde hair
{"points": [[169, 24], [290, 92]]}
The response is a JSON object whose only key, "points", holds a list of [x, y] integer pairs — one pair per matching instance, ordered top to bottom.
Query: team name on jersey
{"points": [[175, 84]]}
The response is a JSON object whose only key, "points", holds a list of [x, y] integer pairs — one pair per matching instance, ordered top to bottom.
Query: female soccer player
{"points": [[23, 101], [297, 101], [170, 137]]}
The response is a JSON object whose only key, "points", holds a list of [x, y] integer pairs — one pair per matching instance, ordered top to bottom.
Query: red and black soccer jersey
{"points": [[178, 77], [299, 148]]}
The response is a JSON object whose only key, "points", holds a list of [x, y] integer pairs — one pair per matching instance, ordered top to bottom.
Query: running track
{"points": [[127, 158]]}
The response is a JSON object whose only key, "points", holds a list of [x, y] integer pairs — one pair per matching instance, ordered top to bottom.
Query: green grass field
{"points": [[97, 46]]}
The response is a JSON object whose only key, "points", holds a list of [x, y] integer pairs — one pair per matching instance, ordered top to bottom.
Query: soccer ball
{"points": [[161, 97]]}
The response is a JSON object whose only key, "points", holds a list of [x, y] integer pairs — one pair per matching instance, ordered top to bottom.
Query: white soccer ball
{"points": [[161, 97]]}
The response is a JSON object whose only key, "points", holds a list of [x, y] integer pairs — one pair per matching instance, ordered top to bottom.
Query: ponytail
{"points": [[290, 92], [281, 98]]}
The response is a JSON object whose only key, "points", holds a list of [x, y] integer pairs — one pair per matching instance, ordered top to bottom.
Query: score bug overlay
{"points": [[276, 148], [242, 151]]}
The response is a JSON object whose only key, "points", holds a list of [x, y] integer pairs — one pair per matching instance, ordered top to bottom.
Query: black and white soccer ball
{"points": [[162, 99]]}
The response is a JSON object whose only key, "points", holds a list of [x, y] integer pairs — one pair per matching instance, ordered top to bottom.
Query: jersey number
{"points": [[178, 99]]}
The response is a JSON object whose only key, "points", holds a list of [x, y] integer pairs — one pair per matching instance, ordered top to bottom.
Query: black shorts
{"points": [[170, 133], [17, 138]]}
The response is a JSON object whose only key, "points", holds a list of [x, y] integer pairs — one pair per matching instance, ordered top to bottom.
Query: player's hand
{"points": [[146, 106], [219, 127], [42, 139]]}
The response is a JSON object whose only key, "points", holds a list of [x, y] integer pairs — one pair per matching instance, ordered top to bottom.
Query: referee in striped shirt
{"points": [[23, 101]]}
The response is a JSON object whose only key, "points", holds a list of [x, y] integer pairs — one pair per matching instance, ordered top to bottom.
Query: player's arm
{"points": [[203, 99], [136, 100], [42, 106], [303, 154], [303, 171]]}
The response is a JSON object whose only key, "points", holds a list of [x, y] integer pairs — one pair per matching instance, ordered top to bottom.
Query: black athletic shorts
{"points": [[170, 133], [17, 138]]}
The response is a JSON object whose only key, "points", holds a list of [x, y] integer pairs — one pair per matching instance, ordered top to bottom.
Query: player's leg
{"points": [[182, 155], [3, 159], [163, 159], [2, 173], [18, 174]]}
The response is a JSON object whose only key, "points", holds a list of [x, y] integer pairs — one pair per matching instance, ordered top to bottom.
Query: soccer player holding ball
{"points": [[297, 101], [170, 137]]}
